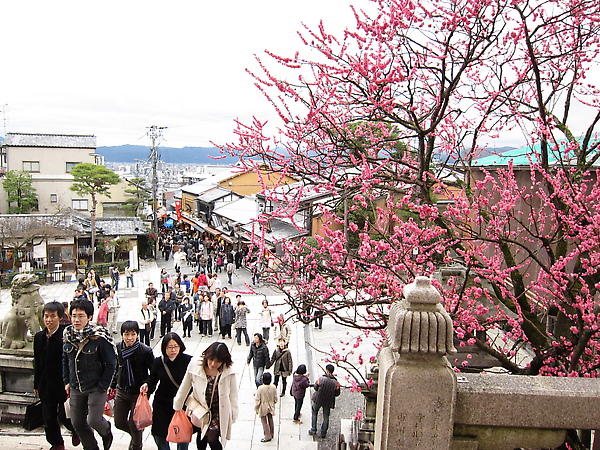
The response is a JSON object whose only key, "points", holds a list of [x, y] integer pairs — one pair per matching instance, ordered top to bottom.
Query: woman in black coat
{"points": [[226, 317], [176, 362]]}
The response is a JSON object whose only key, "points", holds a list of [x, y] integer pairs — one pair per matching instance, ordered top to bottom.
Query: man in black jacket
{"points": [[166, 307], [134, 362], [89, 363], [48, 379], [327, 389]]}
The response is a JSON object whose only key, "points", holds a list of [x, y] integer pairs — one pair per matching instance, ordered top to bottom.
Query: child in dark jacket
{"points": [[298, 391]]}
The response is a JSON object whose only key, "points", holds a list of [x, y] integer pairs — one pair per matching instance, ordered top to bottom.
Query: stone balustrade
{"points": [[423, 404]]}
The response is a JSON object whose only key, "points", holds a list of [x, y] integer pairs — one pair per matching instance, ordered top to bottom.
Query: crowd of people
{"points": [[77, 358], [83, 363]]}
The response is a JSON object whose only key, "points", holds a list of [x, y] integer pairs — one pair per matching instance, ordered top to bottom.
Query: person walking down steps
{"points": [[264, 406]]}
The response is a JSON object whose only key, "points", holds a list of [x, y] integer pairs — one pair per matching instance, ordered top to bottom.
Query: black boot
{"points": [[283, 387]]}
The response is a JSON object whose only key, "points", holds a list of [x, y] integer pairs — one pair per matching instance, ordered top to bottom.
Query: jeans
{"points": [[229, 275], [130, 279], [206, 327], [266, 333], [238, 336], [258, 375], [298, 407], [124, 408], [315, 413], [52, 415], [87, 415], [162, 444]]}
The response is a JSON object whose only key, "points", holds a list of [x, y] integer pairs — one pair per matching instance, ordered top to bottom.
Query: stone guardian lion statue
{"points": [[25, 314]]}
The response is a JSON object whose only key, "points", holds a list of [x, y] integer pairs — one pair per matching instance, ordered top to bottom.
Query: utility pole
{"points": [[4, 114], [155, 134]]}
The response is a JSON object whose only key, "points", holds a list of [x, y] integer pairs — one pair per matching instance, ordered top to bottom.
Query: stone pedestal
{"points": [[16, 384], [417, 387]]}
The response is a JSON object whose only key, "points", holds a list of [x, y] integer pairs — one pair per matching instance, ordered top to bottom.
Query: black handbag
{"points": [[34, 416]]}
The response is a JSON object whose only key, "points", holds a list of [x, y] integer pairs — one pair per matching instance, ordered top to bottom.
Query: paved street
{"points": [[247, 431]]}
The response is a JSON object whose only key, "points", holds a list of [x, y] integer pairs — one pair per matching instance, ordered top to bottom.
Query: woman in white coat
{"points": [[214, 388]]}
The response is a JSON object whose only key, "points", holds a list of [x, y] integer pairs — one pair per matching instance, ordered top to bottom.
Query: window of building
{"points": [[70, 165], [31, 166], [53, 198], [79, 204], [60, 254]]}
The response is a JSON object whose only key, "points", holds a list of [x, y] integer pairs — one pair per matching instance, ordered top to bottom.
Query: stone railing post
{"points": [[417, 387]]}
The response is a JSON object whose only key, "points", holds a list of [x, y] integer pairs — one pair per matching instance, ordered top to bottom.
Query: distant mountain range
{"points": [[185, 155], [193, 155]]}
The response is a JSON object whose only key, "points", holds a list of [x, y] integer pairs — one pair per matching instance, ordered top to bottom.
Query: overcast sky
{"points": [[114, 68]]}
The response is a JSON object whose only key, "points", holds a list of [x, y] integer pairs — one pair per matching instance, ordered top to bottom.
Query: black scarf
{"points": [[127, 353]]}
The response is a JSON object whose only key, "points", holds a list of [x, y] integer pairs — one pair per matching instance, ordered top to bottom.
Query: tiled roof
{"points": [[50, 140], [215, 194], [25, 224], [71, 224], [120, 226], [280, 231]]}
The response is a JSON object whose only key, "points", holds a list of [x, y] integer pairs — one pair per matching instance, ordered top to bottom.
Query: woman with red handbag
{"points": [[165, 377]]}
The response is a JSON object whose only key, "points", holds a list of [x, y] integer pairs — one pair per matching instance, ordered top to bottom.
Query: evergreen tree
{"points": [[93, 179], [141, 193], [21, 196]]}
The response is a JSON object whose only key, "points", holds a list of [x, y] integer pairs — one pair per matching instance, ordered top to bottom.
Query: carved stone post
{"points": [[417, 387]]}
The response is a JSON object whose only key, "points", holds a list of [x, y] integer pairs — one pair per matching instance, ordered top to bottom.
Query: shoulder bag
{"points": [[198, 413]]}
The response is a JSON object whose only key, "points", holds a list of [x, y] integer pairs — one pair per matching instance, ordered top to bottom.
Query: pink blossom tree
{"points": [[389, 120]]}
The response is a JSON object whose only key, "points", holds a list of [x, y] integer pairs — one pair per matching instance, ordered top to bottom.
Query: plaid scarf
{"points": [[76, 337], [126, 353]]}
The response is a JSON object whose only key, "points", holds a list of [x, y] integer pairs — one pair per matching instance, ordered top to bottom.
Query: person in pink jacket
{"points": [[102, 318]]}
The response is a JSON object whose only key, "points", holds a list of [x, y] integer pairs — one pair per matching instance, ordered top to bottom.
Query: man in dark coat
{"points": [[166, 307], [134, 363], [48, 379], [327, 389]]}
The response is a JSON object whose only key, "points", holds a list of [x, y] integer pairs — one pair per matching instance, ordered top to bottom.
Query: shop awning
{"points": [[192, 223], [219, 234]]}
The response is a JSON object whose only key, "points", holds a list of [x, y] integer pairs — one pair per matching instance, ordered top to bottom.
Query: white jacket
{"points": [[143, 316], [195, 379]]}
